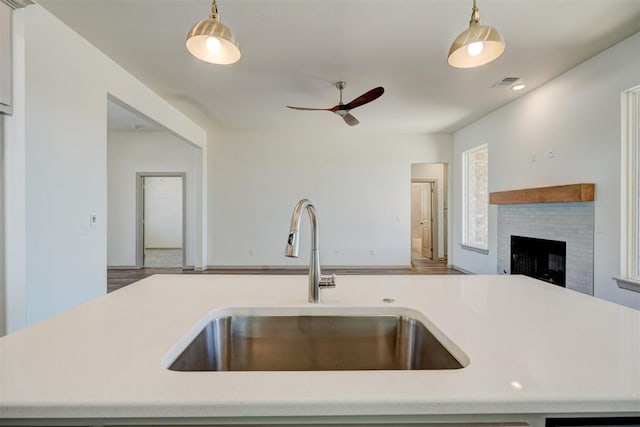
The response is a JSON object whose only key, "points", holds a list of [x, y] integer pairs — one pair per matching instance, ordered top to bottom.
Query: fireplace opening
{"points": [[539, 258]]}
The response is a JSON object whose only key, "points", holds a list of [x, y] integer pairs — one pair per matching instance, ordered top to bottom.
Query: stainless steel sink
{"points": [[314, 343]]}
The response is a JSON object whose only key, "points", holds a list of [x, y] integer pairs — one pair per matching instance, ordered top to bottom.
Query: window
{"points": [[475, 199], [630, 232]]}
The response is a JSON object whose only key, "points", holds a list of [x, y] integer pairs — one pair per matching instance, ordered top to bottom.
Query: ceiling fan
{"points": [[342, 109]]}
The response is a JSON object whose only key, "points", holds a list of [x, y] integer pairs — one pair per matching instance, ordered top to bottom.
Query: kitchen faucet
{"points": [[316, 279]]}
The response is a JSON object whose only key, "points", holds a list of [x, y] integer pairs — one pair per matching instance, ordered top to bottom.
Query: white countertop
{"points": [[533, 348]]}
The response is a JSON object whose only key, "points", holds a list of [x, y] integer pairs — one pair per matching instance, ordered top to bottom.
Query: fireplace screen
{"points": [[539, 258]]}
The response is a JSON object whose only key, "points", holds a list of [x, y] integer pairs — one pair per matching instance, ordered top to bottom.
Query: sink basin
{"points": [[313, 342]]}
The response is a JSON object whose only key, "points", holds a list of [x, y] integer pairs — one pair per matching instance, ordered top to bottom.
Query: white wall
{"points": [[577, 116], [132, 152], [58, 155], [435, 171], [359, 183], [163, 212], [3, 313]]}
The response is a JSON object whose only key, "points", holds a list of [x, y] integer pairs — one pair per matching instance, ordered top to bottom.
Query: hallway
{"points": [[419, 261]]}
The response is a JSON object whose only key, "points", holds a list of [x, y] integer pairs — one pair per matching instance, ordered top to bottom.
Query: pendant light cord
{"points": [[214, 10], [475, 15]]}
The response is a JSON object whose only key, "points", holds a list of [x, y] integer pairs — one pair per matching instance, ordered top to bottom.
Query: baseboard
{"points": [[135, 267], [286, 267], [368, 267], [305, 268], [460, 269]]}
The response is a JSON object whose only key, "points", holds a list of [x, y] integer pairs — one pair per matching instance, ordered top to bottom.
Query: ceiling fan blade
{"points": [[365, 98], [308, 109], [350, 120]]}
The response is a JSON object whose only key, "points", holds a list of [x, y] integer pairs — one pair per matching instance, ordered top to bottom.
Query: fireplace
{"points": [[572, 223], [539, 258]]}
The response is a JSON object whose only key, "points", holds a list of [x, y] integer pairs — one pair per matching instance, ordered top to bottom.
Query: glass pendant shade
{"points": [[212, 41], [478, 45]]}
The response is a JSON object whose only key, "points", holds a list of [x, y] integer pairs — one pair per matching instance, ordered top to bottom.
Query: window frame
{"points": [[630, 196], [465, 243]]}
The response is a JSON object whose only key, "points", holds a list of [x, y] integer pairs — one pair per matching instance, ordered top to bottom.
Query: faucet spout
{"points": [[316, 280]]}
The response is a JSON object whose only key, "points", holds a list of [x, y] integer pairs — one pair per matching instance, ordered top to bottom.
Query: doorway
{"points": [[429, 214], [423, 222], [161, 224]]}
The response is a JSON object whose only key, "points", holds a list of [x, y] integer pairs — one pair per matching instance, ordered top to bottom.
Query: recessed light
{"points": [[519, 87]]}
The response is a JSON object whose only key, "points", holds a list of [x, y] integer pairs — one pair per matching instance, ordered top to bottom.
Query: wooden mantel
{"points": [[556, 194]]}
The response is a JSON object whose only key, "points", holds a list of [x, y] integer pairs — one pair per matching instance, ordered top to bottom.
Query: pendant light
{"points": [[212, 41], [478, 45]]}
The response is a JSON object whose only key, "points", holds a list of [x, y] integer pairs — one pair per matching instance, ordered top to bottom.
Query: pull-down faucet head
{"points": [[292, 248]]}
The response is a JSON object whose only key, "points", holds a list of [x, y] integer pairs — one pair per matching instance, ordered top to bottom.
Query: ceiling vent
{"points": [[17, 4], [505, 82]]}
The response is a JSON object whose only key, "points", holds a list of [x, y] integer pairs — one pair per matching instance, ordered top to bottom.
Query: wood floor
{"points": [[417, 260], [117, 279]]}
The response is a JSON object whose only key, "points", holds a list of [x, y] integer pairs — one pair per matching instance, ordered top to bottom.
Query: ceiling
{"points": [[295, 50], [124, 119]]}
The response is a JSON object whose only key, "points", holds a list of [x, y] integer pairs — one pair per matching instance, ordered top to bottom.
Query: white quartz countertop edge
{"points": [[508, 326]]}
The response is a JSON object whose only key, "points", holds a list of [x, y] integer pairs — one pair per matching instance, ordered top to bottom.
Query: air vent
{"points": [[17, 4], [505, 82]]}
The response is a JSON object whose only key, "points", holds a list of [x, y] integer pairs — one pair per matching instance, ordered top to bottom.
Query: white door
{"points": [[416, 217], [427, 219]]}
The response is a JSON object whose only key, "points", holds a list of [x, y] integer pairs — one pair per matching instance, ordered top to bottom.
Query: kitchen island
{"points": [[534, 351]]}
